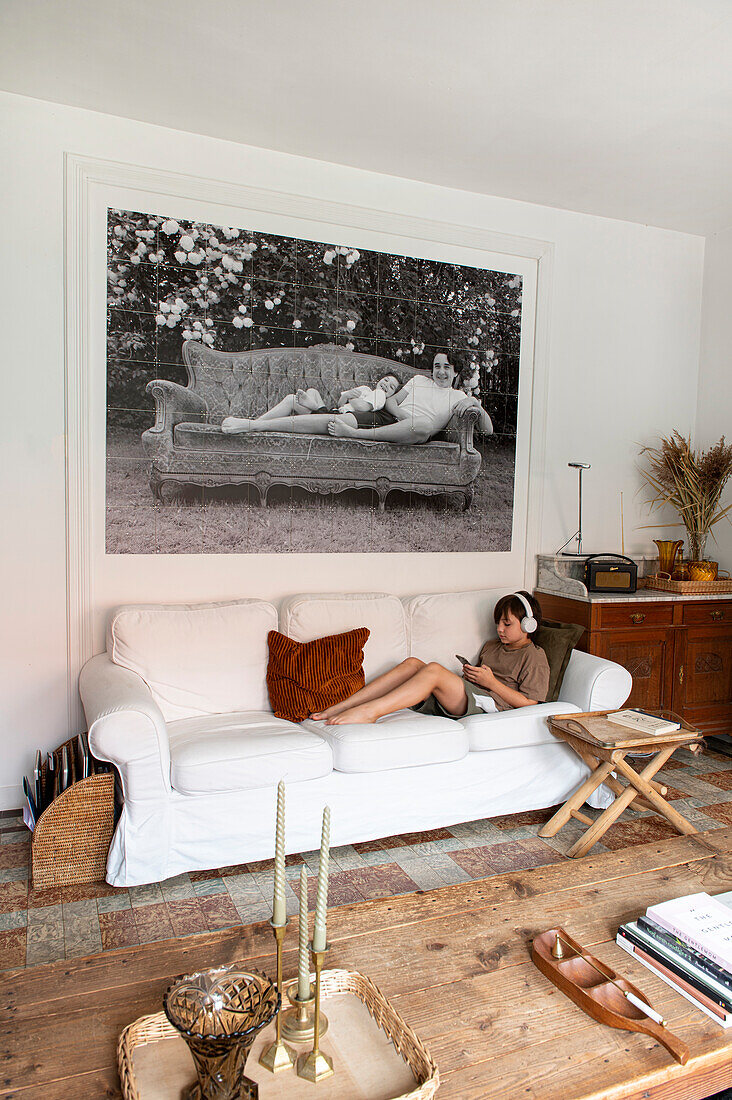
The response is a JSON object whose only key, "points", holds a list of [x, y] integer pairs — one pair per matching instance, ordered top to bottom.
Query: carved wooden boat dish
{"points": [[598, 990]]}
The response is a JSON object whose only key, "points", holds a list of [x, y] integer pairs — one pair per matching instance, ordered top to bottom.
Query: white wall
{"points": [[625, 306], [714, 413]]}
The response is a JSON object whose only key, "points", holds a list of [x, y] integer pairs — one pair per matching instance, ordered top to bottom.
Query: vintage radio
{"points": [[610, 573]]}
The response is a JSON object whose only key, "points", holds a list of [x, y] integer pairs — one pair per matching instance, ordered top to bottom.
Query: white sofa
{"points": [[179, 704]]}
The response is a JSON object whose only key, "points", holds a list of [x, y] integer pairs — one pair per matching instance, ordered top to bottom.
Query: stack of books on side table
{"points": [[687, 942]]}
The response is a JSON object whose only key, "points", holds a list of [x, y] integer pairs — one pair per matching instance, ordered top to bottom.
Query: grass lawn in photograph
{"points": [[232, 521]]}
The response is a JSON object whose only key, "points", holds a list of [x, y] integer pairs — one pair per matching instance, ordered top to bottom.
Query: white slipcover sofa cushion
{"points": [[307, 617], [442, 624], [201, 659], [514, 729], [401, 740], [240, 752]]}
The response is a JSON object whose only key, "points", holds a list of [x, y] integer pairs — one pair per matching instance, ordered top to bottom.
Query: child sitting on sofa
{"points": [[511, 672]]}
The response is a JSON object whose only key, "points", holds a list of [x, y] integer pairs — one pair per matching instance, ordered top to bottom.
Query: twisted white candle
{"points": [[321, 899], [279, 906], [303, 959]]}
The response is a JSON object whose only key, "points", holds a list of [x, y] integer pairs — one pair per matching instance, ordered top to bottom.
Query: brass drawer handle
{"points": [[717, 615], [639, 617]]}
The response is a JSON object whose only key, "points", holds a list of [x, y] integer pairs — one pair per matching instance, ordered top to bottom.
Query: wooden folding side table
{"points": [[604, 747]]}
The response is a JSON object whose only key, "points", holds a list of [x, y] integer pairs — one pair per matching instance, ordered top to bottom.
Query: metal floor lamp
{"points": [[578, 553]]}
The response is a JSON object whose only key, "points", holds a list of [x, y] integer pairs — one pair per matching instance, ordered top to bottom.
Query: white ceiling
{"points": [[620, 108]]}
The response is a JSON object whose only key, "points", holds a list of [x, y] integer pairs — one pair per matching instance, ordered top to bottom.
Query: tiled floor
{"points": [[40, 925]]}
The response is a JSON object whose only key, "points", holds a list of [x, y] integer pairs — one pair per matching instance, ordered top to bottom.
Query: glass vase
{"points": [[697, 545], [219, 1013]]}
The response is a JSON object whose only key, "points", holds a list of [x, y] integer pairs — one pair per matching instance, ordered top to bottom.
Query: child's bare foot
{"points": [[232, 424], [338, 426], [329, 712], [360, 715]]}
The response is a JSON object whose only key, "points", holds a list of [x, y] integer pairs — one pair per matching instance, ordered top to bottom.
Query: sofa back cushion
{"points": [[247, 383], [304, 618], [445, 623], [196, 659]]}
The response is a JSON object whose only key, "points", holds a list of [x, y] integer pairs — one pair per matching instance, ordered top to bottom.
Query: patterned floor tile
{"points": [[722, 779], [721, 812], [528, 817], [643, 831], [13, 836], [14, 855], [514, 855], [346, 857], [14, 874], [203, 876], [380, 882], [209, 886], [177, 889], [341, 889], [87, 891], [150, 894], [13, 895], [41, 896], [114, 904], [219, 911], [253, 912], [186, 916], [16, 919], [153, 922], [118, 929], [45, 942], [12, 948]]}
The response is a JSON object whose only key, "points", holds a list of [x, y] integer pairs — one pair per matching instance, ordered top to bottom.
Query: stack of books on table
{"points": [[688, 943]]}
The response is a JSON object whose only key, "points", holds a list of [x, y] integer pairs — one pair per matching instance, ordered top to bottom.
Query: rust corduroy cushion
{"points": [[303, 677]]}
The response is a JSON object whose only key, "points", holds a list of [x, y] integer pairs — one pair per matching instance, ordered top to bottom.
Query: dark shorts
{"points": [[370, 419], [433, 706]]}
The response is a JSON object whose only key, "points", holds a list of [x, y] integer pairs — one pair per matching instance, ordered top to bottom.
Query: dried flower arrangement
{"points": [[692, 482]]}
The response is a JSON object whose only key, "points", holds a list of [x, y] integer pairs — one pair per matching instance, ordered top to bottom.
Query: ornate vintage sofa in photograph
{"points": [[187, 447], [179, 704]]}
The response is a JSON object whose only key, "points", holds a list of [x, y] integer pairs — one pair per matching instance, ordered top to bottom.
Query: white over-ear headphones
{"points": [[528, 623]]}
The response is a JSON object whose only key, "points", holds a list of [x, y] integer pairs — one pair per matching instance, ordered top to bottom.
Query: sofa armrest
{"points": [[173, 404], [461, 425], [592, 683], [126, 727]]}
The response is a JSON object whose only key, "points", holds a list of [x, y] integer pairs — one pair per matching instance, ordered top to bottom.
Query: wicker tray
{"points": [[688, 588], [376, 1054]]}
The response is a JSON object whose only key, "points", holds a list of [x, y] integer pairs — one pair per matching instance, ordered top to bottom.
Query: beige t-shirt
{"points": [[525, 669]]}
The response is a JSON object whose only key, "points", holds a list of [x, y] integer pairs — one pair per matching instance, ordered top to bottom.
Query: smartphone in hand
{"points": [[462, 660]]}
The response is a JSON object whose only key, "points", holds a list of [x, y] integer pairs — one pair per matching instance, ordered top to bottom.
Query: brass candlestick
{"points": [[298, 1022], [278, 1055], [316, 1066]]}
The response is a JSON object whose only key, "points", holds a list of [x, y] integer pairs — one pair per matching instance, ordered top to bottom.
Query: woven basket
{"points": [[689, 588], [71, 839], [152, 1029]]}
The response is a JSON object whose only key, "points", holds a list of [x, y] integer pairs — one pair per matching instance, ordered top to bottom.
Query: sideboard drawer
{"points": [[636, 614], [706, 614]]}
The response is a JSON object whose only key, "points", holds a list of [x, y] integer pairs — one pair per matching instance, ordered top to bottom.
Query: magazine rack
{"points": [[71, 839]]}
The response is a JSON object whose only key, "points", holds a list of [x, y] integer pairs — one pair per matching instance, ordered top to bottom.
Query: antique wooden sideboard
{"points": [[678, 649]]}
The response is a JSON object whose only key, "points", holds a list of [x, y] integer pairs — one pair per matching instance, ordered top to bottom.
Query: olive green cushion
{"points": [[557, 640]]}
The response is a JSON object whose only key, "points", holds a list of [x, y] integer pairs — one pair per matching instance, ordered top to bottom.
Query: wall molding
{"points": [[88, 177]]}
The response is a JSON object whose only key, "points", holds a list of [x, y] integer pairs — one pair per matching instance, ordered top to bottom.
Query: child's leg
{"points": [[447, 687], [376, 688]]}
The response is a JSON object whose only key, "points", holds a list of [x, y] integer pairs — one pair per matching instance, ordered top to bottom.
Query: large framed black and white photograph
{"points": [[270, 393]]}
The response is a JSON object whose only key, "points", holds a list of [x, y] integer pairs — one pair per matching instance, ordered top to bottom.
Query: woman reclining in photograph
{"points": [[421, 409]]}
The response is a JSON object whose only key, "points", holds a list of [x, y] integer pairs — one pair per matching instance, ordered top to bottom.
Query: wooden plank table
{"points": [[454, 962]]}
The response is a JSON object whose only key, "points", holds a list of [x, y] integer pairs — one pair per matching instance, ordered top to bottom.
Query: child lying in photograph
{"points": [[511, 672]]}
